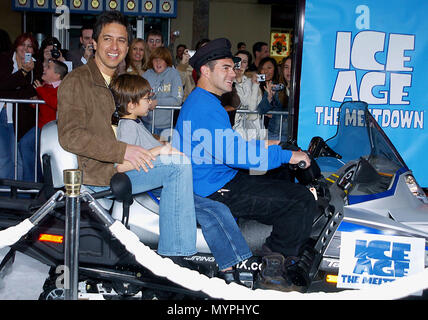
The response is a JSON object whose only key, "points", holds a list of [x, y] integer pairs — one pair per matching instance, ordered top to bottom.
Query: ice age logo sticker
{"points": [[369, 260]]}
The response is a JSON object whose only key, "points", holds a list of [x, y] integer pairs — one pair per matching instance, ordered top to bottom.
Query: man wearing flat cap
{"points": [[221, 159]]}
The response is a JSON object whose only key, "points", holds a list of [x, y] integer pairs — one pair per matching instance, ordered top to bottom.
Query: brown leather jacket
{"points": [[85, 107]]}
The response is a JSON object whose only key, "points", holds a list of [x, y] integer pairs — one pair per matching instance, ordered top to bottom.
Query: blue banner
{"points": [[374, 51]]}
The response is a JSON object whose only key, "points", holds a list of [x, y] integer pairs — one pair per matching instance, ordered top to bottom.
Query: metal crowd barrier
{"points": [[15, 103], [282, 114]]}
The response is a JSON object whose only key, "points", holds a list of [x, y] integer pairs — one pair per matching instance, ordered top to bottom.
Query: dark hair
{"points": [[108, 17], [86, 26], [154, 32], [21, 38], [50, 41], [5, 42], [201, 43], [240, 44], [181, 46], [258, 47], [247, 53], [210, 64], [60, 68], [275, 77], [128, 88]]}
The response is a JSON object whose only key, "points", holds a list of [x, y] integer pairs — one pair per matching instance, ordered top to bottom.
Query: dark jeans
{"points": [[288, 207]]}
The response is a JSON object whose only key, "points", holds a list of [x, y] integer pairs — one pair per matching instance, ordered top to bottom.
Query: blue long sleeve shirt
{"points": [[203, 132]]}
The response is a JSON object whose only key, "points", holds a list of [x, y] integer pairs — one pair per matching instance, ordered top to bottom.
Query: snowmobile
{"points": [[355, 189]]}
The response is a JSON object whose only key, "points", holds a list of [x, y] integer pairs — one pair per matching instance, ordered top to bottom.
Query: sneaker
{"points": [[271, 275]]}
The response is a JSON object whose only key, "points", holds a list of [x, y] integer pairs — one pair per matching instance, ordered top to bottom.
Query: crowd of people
{"points": [[113, 75]]}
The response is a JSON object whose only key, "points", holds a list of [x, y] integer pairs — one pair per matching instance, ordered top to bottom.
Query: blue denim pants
{"points": [[27, 148], [7, 150], [177, 221], [221, 232]]}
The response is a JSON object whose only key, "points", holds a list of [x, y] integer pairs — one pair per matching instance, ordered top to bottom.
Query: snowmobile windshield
{"points": [[359, 135]]}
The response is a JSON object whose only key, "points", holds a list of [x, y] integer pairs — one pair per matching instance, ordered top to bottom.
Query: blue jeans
{"points": [[7, 142], [28, 151], [177, 221], [221, 232]]}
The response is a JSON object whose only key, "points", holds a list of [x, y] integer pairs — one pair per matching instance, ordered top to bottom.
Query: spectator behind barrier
{"points": [[154, 40], [241, 46], [179, 51], [260, 51], [45, 52], [81, 55], [137, 57], [185, 71], [53, 73], [16, 78], [168, 89], [273, 99], [250, 126]]}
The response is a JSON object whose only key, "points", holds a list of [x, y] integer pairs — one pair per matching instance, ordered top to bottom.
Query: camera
{"points": [[191, 52], [55, 53], [27, 57], [237, 65], [261, 77], [277, 87]]}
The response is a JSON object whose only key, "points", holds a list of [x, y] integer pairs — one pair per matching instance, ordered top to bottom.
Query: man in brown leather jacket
{"points": [[85, 108]]}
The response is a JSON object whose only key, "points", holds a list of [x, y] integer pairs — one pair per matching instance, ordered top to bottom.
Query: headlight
{"points": [[415, 189]]}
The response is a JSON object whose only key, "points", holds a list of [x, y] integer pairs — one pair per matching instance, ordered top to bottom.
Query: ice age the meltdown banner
{"points": [[373, 51]]}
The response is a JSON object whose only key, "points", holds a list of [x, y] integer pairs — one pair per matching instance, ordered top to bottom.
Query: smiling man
{"points": [[85, 93], [85, 108], [219, 155]]}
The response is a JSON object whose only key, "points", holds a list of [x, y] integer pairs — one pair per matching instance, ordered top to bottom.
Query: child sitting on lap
{"points": [[132, 96]]}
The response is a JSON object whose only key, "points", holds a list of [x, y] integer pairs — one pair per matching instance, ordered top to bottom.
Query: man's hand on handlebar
{"points": [[299, 156]]}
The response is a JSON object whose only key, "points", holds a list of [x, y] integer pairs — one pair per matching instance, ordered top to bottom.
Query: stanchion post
{"points": [[72, 182]]}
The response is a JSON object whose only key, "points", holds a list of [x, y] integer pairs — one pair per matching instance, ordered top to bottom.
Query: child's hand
{"points": [[37, 84], [168, 149]]}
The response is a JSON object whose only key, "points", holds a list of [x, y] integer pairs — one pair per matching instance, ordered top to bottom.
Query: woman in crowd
{"points": [[45, 53], [136, 58], [185, 71], [285, 73], [17, 74], [166, 84], [273, 99], [249, 126]]}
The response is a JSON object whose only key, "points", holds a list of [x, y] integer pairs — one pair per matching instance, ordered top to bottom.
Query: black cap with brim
{"points": [[214, 50]]}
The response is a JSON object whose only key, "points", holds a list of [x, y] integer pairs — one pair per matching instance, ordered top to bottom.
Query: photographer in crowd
{"points": [[49, 50], [81, 55], [17, 73]]}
